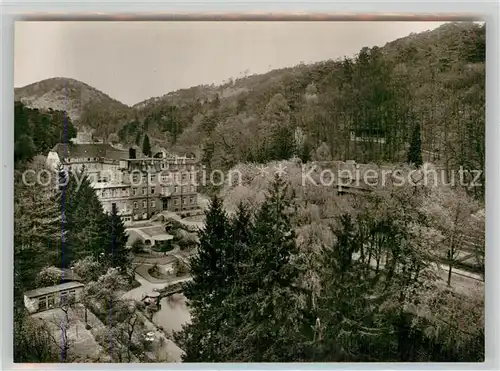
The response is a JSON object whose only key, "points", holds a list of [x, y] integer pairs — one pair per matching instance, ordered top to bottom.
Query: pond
{"points": [[173, 313]]}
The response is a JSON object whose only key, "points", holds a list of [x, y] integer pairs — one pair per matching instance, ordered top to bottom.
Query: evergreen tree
{"points": [[21, 120], [145, 124], [36, 132], [138, 138], [282, 144], [146, 147], [24, 149], [415, 151], [305, 152], [85, 220], [37, 228], [241, 231], [37, 238], [115, 253], [207, 266], [205, 292], [233, 308], [347, 324], [274, 325]]}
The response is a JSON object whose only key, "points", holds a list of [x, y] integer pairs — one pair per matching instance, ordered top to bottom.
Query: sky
{"points": [[134, 61]]}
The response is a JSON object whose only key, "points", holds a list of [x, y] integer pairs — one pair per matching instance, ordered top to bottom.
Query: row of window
{"points": [[80, 159], [94, 160], [91, 166], [173, 166], [166, 178], [183, 189], [164, 190], [115, 192], [124, 192], [188, 200], [185, 201], [144, 204], [48, 302]]}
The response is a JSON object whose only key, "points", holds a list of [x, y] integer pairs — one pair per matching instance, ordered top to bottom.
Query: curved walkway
{"points": [[152, 259], [147, 287]]}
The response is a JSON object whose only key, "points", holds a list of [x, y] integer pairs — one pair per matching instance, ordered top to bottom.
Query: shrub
{"points": [[137, 247], [180, 268]]}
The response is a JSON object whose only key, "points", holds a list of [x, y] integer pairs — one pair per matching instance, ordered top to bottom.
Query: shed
{"points": [[45, 298]]}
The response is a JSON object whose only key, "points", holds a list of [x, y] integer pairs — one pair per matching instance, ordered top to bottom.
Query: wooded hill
{"points": [[434, 80], [85, 105]]}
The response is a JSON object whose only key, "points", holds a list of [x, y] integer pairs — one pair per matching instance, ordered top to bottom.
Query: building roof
{"points": [[103, 150], [157, 232], [132, 236], [163, 237], [52, 289]]}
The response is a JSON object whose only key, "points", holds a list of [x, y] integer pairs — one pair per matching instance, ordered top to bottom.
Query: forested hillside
{"points": [[432, 82], [85, 106], [37, 131]]}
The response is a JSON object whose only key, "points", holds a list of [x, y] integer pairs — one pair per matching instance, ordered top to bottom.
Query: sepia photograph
{"points": [[244, 192]]}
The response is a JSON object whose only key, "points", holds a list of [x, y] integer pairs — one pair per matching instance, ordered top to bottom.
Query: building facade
{"points": [[158, 184], [138, 188]]}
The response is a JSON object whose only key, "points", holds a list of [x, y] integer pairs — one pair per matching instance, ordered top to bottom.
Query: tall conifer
{"points": [[146, 146], [415, 150], [114, 250], [205, 292], [274, 327]]}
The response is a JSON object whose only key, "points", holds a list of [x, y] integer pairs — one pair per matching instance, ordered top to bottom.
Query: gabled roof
{"points": [[102, 150]]}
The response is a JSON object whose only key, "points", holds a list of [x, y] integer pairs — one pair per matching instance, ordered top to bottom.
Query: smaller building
{"points": [[153, 235], [46, 298]]}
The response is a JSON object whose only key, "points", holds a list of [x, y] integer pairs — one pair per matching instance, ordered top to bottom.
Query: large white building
{"points": [[104, 165], [137, 187]]}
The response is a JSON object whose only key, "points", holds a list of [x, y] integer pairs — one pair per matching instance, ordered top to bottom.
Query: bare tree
{"points": [[477, 238], [455, 242], [87, 268], [133, 322], [62, 325]]}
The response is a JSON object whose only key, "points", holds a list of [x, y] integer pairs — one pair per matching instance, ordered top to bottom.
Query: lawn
{"points": [[83, 344]]}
